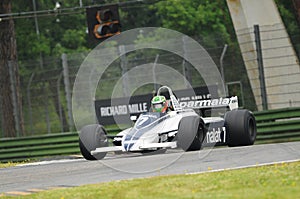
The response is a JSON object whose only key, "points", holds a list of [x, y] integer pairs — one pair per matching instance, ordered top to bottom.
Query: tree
{"points": [[290, 18], [200, 19], [210, 24], [58, 33], [9, 78]]}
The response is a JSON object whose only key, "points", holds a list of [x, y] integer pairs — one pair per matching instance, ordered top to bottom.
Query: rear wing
{"points": [[231, 103]]}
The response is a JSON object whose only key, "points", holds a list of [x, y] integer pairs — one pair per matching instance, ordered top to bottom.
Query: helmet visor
{"points": [[158, 107]]}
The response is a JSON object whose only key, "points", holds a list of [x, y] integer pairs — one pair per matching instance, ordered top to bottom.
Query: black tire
{"points": [[241, 128], [190, 133], [92, 137]]}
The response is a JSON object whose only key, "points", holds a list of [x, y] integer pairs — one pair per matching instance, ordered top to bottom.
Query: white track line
{"points": [[46, 162], [244, 167]]}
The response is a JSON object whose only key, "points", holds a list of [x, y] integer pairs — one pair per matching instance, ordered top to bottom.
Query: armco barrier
{"points": [[278, 125], [272, 126], [38, 146], [18, 149]]}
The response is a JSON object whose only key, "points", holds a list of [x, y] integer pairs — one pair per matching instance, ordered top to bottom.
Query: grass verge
{"points": [[8, 164], [275, 181]]}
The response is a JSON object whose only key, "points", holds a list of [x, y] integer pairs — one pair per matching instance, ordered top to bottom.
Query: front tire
{"points": [[241, 128], [190, 133], [92, 137]]}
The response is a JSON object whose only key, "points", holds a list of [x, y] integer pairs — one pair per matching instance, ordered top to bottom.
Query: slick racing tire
{"points": [[241, 128], [190, 133], [92, 137]]}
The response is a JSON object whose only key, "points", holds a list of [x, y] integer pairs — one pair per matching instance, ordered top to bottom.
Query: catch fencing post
{"points": [[222, 67], [260, 68], [124, 69], [185, 69], [153, 71], [67, 89], [59, 101], [29, 103]]}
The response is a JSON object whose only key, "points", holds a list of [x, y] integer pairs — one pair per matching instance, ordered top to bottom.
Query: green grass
{"points": [[8, 164], [12, 164], [276, 181]]}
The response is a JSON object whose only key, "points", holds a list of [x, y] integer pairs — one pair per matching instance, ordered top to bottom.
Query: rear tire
{"points": [[241, 128], [190, 133], [92, 137]]}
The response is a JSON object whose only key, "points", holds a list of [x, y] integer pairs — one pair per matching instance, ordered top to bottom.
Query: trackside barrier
{"points": [[279, 125], [272, 126], [19, 149]]}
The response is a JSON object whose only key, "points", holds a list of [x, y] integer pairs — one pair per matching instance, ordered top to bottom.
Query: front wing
{"points": [[148, 146]]}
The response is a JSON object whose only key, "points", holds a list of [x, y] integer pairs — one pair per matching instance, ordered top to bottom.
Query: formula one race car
{"points": [[181, 127]]}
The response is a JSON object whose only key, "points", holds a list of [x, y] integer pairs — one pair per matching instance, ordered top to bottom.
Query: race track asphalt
{"points": [[45, 175]]}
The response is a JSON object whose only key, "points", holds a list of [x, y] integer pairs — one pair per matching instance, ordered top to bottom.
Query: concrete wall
{"points": [[281, 66]]}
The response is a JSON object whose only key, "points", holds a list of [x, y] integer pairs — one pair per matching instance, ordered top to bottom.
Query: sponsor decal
{"points": [[206, 103], [123, 109], [216, 135]]}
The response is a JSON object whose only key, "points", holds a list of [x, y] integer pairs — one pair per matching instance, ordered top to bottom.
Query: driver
{"points": [[159, 104]]}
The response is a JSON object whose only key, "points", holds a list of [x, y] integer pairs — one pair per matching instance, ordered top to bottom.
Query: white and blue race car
{"points": [[185, 128]]}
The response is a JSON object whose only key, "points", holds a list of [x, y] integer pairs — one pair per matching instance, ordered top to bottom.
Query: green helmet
{"points": [[159, 103]]}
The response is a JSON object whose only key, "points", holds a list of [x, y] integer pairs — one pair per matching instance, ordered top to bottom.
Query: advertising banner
{"points": [[119, 110]]}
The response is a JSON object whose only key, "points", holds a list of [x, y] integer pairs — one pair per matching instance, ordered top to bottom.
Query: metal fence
{"points": [[47, 84], [45, 108]]}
